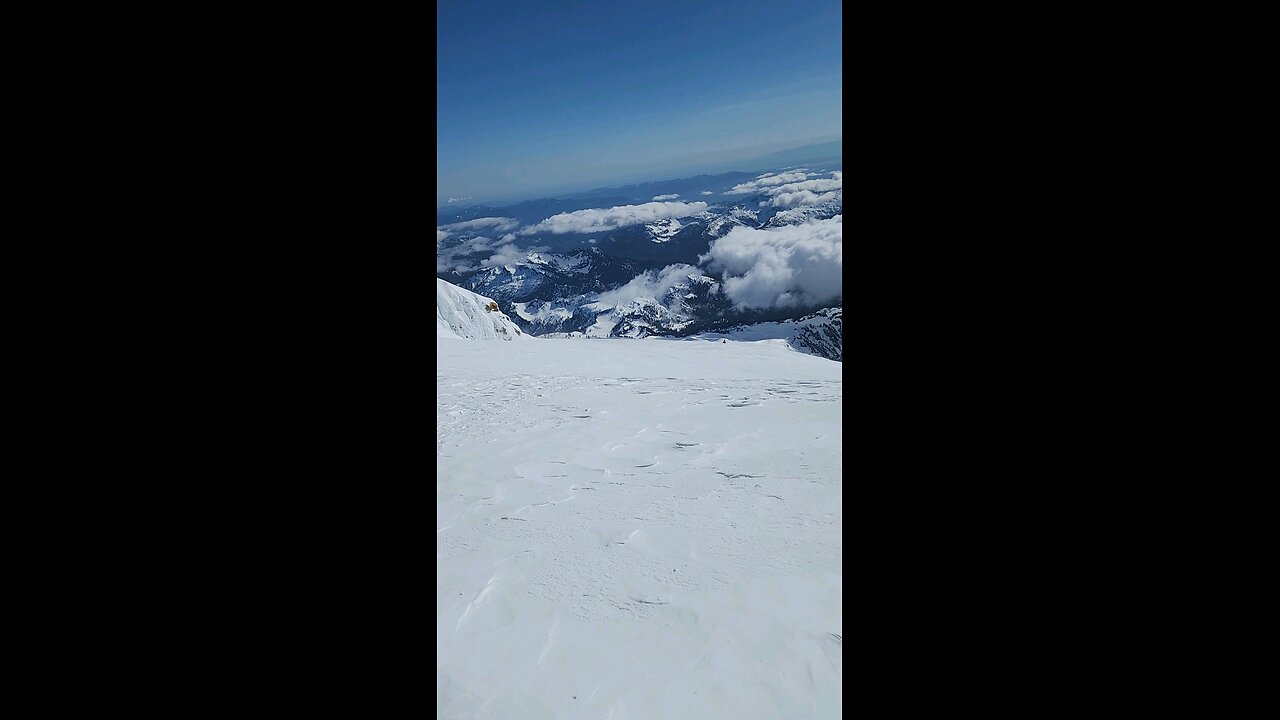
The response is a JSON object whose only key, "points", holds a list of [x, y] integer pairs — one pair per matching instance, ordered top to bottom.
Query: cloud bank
{"points": [[766, 180], [821, 185], [807, 192], [672, 196], [803, 197], [600, 220], [499, 224], [455, 257], [460, 257], [796, 265]]}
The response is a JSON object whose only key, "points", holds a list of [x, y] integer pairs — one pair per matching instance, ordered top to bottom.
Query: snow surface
{"points": [[463, 314], [637, 529]]}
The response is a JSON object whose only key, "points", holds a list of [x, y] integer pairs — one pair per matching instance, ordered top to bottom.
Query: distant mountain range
{"points": [[826, 155], [638, 280]]}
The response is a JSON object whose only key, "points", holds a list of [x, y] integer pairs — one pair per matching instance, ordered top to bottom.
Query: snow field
{"points": [[637, 529]]}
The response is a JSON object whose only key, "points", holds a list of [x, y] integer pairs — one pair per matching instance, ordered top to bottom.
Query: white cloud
{"points": [[766, 180], [820, 185], [707, 192], [806, 192], [672, 196], [802, 197], [454, 200], [600, 220], [499, 224], [441, 235], [508, 237], [592, 241], [468, 246], [505, 255], [453, 258], [461, 258], [447, 261], [782, 267], [649, 284]]}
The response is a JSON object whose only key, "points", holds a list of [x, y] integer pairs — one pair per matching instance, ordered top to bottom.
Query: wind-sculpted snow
{"points": [[466, 315], [638, 529]]}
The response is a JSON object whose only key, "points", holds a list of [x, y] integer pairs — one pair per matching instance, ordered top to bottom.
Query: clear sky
{"points": [[536, 98]]}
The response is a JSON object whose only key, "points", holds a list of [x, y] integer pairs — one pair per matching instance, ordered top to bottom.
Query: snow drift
{"points": [[466, 315]]}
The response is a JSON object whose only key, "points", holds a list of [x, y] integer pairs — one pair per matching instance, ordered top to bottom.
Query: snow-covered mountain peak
{"points": [[806, 213], [719, 223], [663, 230], [578, 263], [463, 314]]}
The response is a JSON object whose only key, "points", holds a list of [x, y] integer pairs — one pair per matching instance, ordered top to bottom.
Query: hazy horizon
{"points": [[749, 160]]}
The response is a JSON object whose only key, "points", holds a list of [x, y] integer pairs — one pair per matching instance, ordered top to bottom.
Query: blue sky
{"points": [[539, 98]]}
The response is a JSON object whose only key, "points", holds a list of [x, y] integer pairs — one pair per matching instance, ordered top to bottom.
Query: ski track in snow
{"points": [[661, 545]]}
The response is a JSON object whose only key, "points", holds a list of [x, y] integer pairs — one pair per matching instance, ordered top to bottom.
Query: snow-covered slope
{"points": [[464, 314], [818, 333], [638, 529]]}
